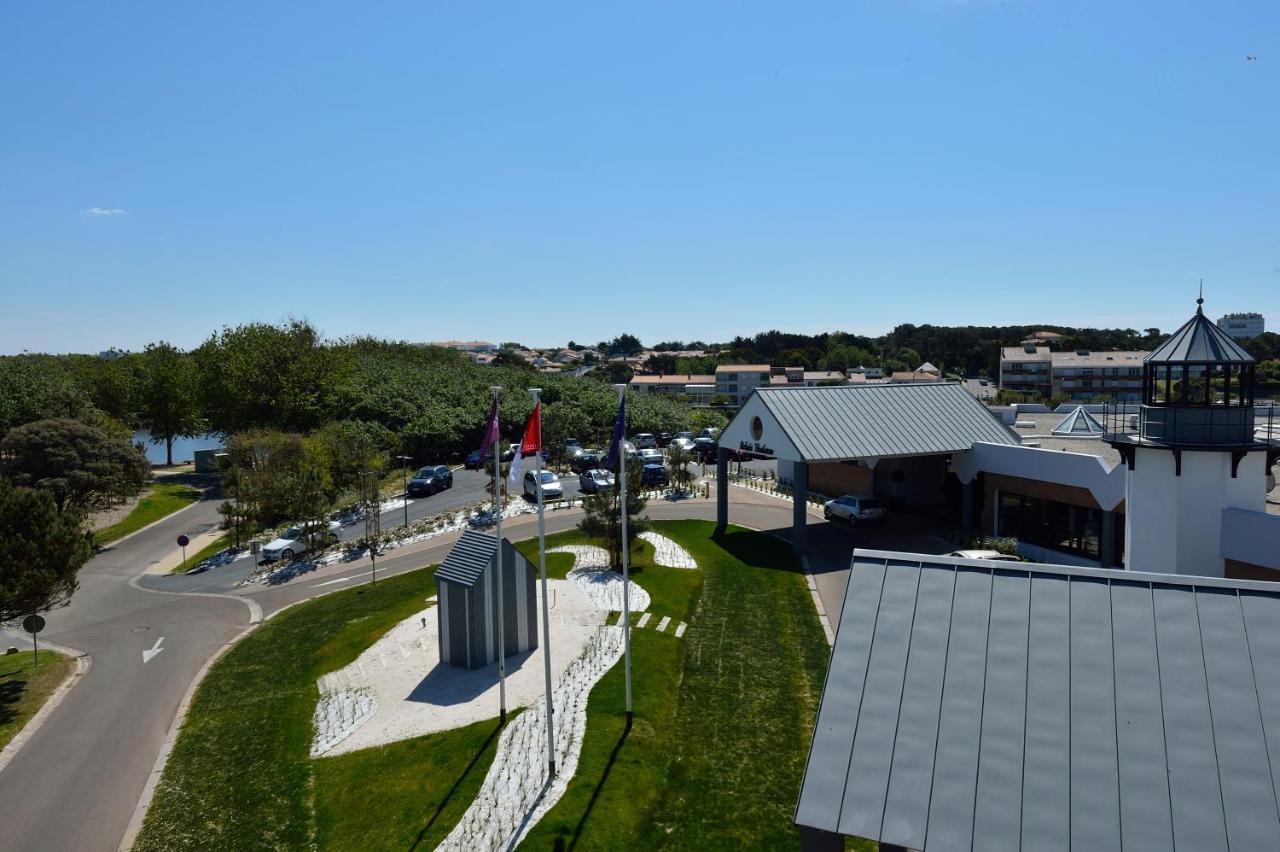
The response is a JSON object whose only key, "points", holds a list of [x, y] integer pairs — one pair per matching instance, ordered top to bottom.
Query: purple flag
{"points": [[490, 430]]}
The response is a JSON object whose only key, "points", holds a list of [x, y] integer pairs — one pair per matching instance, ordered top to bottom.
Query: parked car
{"points": [[982, 382], [710, 432], [688, 435], [664, 439], [646, 441], [571, 443], [685, 444], [704, 450], [509, 453], [649, 456], [586, 460], [473, 461], [654, 476], [430, 480], [596, 481], [551, 487], [855, 510], [296, 541], [989, 555]]}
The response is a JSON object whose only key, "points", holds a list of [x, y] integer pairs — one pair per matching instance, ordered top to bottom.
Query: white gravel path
{"points": [[666, 552], [585, 555], [602, 587]]}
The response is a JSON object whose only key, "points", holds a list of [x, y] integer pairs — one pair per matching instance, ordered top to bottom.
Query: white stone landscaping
{"points": [[667, 553]]}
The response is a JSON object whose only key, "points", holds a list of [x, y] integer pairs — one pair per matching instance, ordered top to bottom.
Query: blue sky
{"points": [[548, 171]]}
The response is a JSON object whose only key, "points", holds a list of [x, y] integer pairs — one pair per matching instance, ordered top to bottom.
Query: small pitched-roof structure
{"points": [[1199, 341], [926, 367], [843, 422], [1079, 423], [466, 586], [997, 705]]}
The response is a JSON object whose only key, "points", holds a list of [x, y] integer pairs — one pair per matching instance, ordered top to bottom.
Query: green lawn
{"points": [[162, 499], [222, 542], [23, 690], [723, 716], [714, 759], [240, 775]]}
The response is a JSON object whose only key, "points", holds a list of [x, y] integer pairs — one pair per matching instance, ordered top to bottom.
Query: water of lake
{"points": [[184, 449]]}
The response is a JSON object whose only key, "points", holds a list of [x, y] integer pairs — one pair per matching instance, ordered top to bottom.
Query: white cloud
{"points": [[104, 211]]}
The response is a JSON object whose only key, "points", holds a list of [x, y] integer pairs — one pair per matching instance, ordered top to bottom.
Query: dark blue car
{"points": [[473, 461], [654, 475], [430, 480]]}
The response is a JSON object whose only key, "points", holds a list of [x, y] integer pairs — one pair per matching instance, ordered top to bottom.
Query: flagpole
{"points": [[626, 556], [502, 612], [546, 617]]}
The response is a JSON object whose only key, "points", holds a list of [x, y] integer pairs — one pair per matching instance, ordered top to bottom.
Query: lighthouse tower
{"points": [[1193, 452]]}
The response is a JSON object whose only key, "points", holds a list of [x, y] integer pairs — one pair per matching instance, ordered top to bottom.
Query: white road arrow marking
{"points": [[152, 651]]}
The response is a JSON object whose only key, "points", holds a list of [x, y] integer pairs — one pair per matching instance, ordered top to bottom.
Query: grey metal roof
{"points": [[1200, 340], [882, 420], [468, 558], [975, 704]]}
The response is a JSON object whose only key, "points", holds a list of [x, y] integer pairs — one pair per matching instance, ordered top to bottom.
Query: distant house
{"points": [[466, 345], [567, 356], [867, 372], [926, 372], [799, 377], [697, 390], [466, 584]]}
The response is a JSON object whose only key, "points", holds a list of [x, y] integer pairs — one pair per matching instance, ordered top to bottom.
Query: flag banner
{"points": [[490, 430], [619, 435], [529, 444]]}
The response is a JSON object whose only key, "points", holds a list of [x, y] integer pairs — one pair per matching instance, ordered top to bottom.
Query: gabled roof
{"points": [[1199, 340], [880, 420], [1079, 422], [468, 558], [999, 705]]}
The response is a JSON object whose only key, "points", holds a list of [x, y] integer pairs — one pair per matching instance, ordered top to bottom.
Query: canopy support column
{"points": [[722, 489], [799, 516]]}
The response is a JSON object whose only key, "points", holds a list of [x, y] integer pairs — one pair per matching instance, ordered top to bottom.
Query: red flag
{"points": [[532, 441]]}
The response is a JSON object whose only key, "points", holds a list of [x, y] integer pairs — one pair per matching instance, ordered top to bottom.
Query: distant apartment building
{"points": [[1241, 326], [466, 345], [866, 372], [1078, 375], [799, 377], [739, 381], [696, 390]]}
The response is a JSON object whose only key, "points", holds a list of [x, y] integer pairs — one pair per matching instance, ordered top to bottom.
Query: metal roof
{"points": [[1200, 340], [882, 420], [468, 558], [995, 705]]}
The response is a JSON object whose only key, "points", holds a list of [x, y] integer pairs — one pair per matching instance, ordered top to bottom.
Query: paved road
{"points": [[82, 773]]}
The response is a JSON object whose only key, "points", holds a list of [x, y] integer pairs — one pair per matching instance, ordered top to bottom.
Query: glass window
{"points": [[1218, 375], [1196, 385], [1174, 390], [1048, 523]]}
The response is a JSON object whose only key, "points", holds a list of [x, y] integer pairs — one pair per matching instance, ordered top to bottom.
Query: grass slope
{"points": [[164, 498], [24, 689], [240, 775]]}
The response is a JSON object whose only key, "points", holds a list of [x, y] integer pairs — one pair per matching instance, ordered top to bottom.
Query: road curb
{"points": [[83, 663]]}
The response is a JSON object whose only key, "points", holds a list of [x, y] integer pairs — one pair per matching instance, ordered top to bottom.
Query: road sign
{"points": [[183, 541], [33, 624]]}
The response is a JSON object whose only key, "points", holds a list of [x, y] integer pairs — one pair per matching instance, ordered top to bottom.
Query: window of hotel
{"points": [[1048, 523]]}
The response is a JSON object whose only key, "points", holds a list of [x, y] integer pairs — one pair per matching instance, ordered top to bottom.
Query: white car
{"points": [[685, 444], [648, 456], [551, 487], [855, 510], [295, 541], [989, 555]]}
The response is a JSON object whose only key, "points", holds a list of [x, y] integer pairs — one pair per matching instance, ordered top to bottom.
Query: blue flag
{"points": [[619, 435]]}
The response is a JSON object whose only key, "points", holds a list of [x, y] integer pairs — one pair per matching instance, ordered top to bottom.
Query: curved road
{"points": [[82, 773]]}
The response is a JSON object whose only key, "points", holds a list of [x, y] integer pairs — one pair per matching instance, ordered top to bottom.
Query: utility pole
{"points": [[404, 485], [372, 518]]}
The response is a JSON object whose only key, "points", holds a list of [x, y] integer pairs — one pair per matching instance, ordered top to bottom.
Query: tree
{"points": [[624, 344], [35, 387], [169, 404], [679, 460], [78, 464], [602, 520], [41, 549]]}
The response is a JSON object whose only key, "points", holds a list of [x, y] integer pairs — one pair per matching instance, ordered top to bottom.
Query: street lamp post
{"points": [[404, 485], [372, 519]]}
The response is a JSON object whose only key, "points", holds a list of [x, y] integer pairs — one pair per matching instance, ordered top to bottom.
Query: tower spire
{"points": [[1200, 299]]}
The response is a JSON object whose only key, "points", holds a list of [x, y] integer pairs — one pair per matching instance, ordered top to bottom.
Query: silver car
{"points": [[855, 510]]}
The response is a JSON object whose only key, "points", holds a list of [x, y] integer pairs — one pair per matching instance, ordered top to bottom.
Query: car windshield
{"points": [[424, 473], [547, 476], [292, 532]]}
